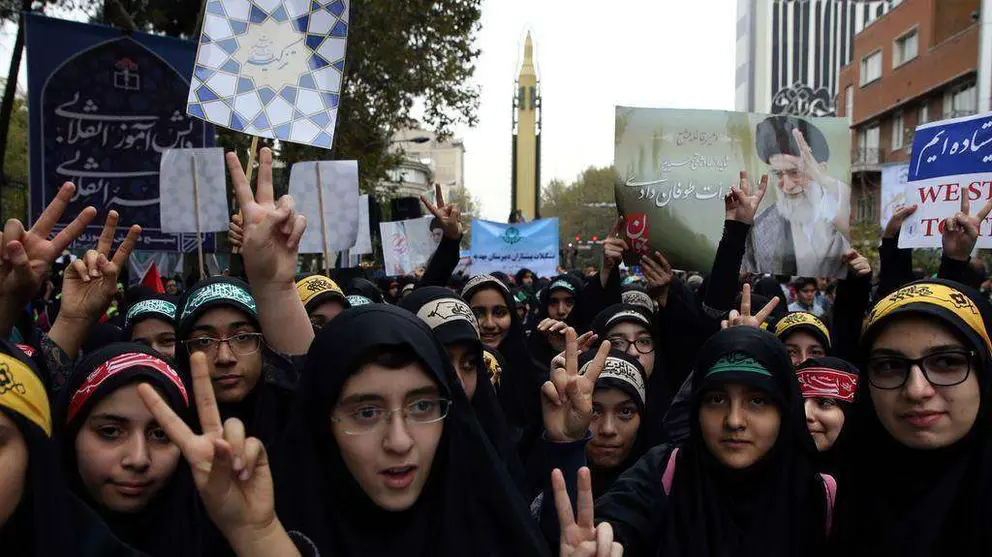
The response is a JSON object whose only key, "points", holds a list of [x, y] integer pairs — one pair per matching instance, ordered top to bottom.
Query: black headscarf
{"points": [[366, 288], [452, 321], [838, 380], [520, 385], [659, 394], [265, 410], [895, 500], [468, 505], [777, 506], [49, 521], [172, 523]]}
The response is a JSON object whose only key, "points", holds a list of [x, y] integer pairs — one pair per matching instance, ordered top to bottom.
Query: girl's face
{"points": [[493, 314], [156, 333], [633, 339], [803, 346], [465, 359], [919, 414], [825, 419], [615, 421], [739, 423], [124, 456], [390, 457], [13, 467]]}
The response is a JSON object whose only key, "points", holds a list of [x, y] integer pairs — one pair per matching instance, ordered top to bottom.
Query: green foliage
{"points": [[14, 195], [575, 205]]}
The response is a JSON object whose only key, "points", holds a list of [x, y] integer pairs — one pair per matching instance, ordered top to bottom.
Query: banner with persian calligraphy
{"points": [[272, 68], [104, 106], [950, 158], [677, 166], [511, 247]]}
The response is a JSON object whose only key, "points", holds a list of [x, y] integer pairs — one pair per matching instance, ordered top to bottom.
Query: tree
{"points": [[14, 190], [582, 207]]}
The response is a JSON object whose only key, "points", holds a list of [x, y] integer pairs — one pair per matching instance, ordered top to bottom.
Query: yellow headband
{"points": [[315, 285], [936, 295], [800, 318], [23, 392]]}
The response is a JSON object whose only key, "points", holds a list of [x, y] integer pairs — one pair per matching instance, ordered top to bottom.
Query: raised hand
{"points": [[811, 167], [741, 204], [448, 215], [899, 216], [272, 230], [235, 232], [960, 233], [613, 247], [27, 255], [857, 263], [658, 274], [91, 281], [743, 318], [554, 331], [585, 342], [567, 398], [231, 472], [581, 537]]}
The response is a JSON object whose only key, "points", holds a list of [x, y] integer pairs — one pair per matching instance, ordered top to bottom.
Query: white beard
{"points": [[802, 209]]}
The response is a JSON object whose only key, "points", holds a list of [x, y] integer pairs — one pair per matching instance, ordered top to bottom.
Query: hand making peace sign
{"points": [[742, 203], [448, 215], [272, 231], [961, 231], [27, 255], [91, 281], [743, 318], [567, 401], [230, 472], [581, 538]]}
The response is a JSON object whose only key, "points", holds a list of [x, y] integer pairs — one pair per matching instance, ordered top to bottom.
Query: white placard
{"points": [[894, 179], [339, 181], [176, 190], [363, 245], [406, 245]]}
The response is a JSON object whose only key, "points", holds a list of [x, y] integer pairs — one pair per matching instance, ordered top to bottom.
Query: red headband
{"points": [[115, 365], [823, 382]]}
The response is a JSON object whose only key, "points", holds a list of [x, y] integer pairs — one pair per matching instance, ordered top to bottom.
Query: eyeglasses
{"points": [[241, 344], [643, 345], [941, 369], [369, 418]]}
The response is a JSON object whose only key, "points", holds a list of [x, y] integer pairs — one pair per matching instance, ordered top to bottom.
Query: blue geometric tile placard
{"points": [[272, 68]]}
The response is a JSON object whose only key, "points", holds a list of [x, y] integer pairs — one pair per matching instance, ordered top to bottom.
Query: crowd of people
{"points": [[594, 413]]}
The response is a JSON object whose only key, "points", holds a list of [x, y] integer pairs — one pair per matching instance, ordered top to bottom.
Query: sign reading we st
{"points": [[951, 159]]}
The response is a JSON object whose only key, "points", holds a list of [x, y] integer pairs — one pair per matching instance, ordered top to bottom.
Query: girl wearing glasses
{"points": [[920, 452], [384, 456], [118, 459]]}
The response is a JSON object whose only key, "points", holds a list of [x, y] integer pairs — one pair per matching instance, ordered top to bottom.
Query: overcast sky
{"points": [[591, 56]]}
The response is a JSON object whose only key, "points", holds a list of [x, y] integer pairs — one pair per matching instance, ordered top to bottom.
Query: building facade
{"points": [[790, 52], [916, 64], [444, 160]]}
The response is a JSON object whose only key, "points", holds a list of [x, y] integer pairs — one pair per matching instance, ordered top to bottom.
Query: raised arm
{"points": [[271, 239], [958, 239], [448, 252], [896, 265], [853, 299]]}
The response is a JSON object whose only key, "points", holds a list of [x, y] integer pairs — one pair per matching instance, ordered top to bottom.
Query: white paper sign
{"points": [[271, 68], [894, 179], [339, 182], [176, 190], [364, 244], [406, 245]]}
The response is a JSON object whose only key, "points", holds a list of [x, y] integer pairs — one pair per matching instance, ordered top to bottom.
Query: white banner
{"points": [[339, 182], [176, 190], [406, 245]]}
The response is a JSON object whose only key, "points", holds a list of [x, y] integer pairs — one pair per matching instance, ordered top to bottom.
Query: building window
{"points": [[905, 48], [871, 67], [960, 101], [849, 102], [923, 114], [898, 131], [868, 141]]}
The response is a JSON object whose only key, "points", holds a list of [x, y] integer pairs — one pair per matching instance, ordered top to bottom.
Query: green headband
{"points": [[738, 362]]}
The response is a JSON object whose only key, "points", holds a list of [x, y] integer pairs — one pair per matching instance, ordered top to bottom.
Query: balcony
{"points": [[867, 159]]}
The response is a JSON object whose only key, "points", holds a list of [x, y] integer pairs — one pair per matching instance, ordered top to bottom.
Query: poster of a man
{"points": [[806, 231]]}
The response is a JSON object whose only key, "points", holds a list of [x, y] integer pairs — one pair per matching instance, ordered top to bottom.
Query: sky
{"points": [[591, 57]]}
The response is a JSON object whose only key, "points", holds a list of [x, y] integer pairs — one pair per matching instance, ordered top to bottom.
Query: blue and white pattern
{"points": [[272, 68]]}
